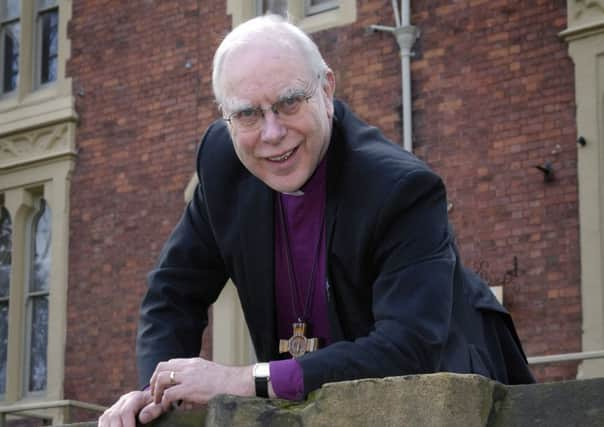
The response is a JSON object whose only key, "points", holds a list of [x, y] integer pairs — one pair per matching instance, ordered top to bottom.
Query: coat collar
{"points": [[257, 240]]}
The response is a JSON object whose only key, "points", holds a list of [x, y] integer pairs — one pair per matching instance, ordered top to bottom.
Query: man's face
{"points": [[281, 150]]}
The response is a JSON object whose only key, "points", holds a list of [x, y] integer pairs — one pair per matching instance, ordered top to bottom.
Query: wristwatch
{"points": [[262, 376]]}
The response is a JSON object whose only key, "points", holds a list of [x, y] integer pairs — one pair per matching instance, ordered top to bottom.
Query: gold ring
{"points": [[172, 377]]}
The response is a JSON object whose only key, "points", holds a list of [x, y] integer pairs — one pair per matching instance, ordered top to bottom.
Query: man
{"points": [[337, 240]]}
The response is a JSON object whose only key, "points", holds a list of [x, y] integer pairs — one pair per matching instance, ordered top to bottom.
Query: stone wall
{"points": [[434, 400]]}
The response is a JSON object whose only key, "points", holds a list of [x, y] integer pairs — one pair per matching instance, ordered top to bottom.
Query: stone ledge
{"points": [[441, 399]]}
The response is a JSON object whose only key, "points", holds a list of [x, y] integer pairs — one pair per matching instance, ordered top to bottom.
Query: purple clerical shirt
{"points": [[304, 214]]}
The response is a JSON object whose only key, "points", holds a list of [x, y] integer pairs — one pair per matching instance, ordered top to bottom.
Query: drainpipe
{"points": [[405, 35]]}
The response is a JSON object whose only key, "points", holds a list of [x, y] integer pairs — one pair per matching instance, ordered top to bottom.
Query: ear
{"points": [[329, 88]]}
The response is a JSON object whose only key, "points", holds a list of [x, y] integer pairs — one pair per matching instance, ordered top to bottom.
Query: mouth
{"points": [[283, 157]]}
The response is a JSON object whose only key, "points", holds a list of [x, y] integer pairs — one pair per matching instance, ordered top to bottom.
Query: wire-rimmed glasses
{"points": [[250, 118]]}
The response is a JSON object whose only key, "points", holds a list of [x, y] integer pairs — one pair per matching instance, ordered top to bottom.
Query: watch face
{"points": [[297, 345], [261, 370]]}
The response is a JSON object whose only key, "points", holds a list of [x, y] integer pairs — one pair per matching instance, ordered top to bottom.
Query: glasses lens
{"points": [[291, 104], [246, 118]]}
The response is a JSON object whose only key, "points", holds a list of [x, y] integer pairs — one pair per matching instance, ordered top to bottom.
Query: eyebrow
{"points": [[235, 105]]}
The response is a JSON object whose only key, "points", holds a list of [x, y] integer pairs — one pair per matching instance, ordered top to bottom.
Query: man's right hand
{"points": [[124, 411]]}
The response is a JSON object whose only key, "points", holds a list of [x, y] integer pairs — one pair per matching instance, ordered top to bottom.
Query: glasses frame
{"points": [[274, 107]]}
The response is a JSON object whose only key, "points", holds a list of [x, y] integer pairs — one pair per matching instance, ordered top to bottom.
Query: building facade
{"points": [[103, 103]]}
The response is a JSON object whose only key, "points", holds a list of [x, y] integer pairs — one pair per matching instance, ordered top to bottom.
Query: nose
{"points": [[273, 130]]}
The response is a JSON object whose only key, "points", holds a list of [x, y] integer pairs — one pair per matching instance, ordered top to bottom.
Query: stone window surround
{"points": [[344, 14], [585, 38], [31, 105], [37, 157], [48, 177]]}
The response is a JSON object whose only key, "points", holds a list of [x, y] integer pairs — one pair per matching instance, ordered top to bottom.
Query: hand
{"points": [[196, 381], [123, 412]]}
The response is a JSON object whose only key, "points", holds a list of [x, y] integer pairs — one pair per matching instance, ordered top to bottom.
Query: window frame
{"points": [[311, 10], [344, 14], [5, 22], [37, 60], [33, 105], [22, 181]]}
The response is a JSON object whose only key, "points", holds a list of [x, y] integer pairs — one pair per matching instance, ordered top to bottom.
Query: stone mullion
{"points": [[25, 49], [56, 193]]}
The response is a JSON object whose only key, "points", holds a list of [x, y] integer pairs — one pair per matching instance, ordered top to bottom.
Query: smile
{"points": [[283, 157]]}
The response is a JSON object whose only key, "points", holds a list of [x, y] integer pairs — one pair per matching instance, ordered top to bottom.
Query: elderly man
{"points": [[337, 240]]}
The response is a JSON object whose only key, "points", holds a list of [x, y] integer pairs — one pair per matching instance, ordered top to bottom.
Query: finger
{"points": [[153, 379], [164, 381], [183, 395], [173, 396], [134, 403], [184, 406], [150, 412], [122, 413], [105, 419], [127, 419]]}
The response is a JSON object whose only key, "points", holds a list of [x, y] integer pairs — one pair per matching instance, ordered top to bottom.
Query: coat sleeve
{"points": [[187, 280], [412, 293]]}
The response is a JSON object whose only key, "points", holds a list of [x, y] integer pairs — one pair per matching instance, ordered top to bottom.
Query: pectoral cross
{"points": [[298, 344]]}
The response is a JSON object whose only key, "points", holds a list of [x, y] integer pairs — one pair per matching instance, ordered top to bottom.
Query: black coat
{"points": [[399, 300]]}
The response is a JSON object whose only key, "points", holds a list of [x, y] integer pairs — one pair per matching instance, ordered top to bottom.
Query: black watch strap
{"points": [[261, 378], [261, 386]]}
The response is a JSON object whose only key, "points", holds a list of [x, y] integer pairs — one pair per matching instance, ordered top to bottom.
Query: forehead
{"points": [[261, 73]]}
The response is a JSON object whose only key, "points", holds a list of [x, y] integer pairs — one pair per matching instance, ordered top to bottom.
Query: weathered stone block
{"points": [[441, 399], [426, 400]]}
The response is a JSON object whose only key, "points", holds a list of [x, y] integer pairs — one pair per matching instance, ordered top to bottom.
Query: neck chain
{"points": [[296, 292]]}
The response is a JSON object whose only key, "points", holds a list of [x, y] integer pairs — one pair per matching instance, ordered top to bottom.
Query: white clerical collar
{"points": [[295, 193]]}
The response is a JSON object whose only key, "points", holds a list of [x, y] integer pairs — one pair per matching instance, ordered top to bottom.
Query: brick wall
{"points": [[142, 75], [492, 96]]}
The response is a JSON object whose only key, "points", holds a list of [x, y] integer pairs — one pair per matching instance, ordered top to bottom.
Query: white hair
{"points": [[275, 29]]}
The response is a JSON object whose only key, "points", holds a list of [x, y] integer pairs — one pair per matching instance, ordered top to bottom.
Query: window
{"points": [[278, 7], [313, 7], [309, 15], [47, 25], [10, 30], [34, 90], [37, 125], [34, 263], [5, 265], [37, 298], [31, 299]]}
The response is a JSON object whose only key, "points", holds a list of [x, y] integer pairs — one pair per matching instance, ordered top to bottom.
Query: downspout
{"points": [[405, 35]]}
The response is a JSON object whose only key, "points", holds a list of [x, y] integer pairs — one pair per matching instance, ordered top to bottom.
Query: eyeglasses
{"points": [[251, 118]]}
